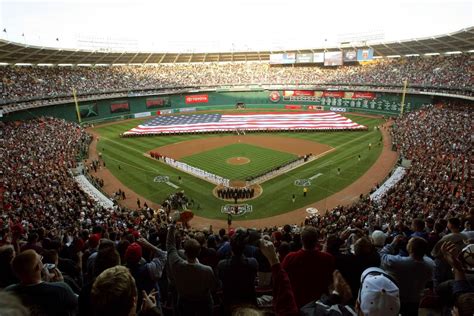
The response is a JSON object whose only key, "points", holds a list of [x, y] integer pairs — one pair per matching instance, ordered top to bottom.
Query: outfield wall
{"points": [[103, 110]]}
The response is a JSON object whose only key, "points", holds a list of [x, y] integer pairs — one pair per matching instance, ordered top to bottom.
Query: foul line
{"points": [[315, 176], [172, 185]]}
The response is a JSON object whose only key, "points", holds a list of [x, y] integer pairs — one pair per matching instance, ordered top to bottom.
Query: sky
{"points": [[213, 25]]}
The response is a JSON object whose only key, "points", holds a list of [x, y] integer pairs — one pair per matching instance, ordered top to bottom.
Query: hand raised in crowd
{"points": [[268, 250], [149, 300]]}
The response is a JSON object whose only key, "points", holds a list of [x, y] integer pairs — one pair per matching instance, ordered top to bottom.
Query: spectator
{"points": [[309, 270], [238, 273], [412, 273], [146, 274], [7, 277], [193, 281], [114, 293], [40, 297]]}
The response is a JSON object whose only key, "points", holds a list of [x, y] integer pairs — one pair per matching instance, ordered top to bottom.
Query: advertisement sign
{"points": [[365, 54], [350, 56], [287, 58], [304, 58], [318, 58], [333, 59], [297, 93], [318, 94], [334, 94], [348, 95], [364, 95], [197, 98], [156, 102], [121, 106], [293, 107], [315, 108], [334, 109], [187, 110], [161, 112], [142, 114]]}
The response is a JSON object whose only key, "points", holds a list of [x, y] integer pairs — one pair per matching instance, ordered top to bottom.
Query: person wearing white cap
{"points": [[378, 294]]}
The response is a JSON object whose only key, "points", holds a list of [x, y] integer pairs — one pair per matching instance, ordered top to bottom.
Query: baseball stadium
{"points": [[235, 180]]}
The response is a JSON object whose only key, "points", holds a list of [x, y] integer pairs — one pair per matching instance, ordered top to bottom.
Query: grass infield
{"points": [[215, 160], [138, 171]]}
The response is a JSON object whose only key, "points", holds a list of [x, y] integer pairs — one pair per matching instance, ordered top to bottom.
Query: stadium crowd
{"points": [[21, 82], [60, 254]]}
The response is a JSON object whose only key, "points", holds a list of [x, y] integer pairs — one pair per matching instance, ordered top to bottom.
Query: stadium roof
{"points": [[16, 53]]}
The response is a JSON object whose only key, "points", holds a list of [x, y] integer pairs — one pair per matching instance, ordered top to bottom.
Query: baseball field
{"points": [[343, 157]]}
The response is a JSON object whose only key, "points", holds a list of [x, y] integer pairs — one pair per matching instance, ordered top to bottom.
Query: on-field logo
{"points": [[274, 96]]}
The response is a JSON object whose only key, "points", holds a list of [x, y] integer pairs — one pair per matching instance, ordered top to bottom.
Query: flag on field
{"points": [[244, 122]]}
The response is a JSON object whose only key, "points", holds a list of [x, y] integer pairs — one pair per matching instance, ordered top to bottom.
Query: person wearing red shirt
{"points": [[310, 270]]}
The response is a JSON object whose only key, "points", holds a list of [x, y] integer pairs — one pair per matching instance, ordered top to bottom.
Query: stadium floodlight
{"points": [[471, 51], [453, 53], [431, 54], [412, 55], [393, 56], [377, 57], [4, 64], [23, 64], [119, 64], [44, 65], [65, 65], [84, 65], [102, 65]]}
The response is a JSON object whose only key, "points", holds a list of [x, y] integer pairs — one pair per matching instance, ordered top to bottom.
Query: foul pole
{"points": [[402, 104], [77, 105]]}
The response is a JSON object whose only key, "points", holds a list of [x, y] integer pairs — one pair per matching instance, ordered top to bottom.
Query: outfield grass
{"points": [[261, 159], [138, 172]]}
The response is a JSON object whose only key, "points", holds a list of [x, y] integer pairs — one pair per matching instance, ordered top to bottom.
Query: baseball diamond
{"points": [[210, 151]]}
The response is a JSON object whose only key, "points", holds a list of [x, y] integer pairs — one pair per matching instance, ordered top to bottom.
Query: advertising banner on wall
{"points": [[365, 54], [350, 56], [286, 58], [304, 58], [318, 58], [333, 59], [297, 93], [334, 94], [348, 95], [364, 95], [197, 98], [156, 102], [119, 106], [293, 107], [315, 108], [336, 109], [183, 110], [161, 112], [142, 114]]}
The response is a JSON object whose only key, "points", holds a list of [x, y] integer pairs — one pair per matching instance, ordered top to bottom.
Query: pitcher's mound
{"points": [[238, 160]]}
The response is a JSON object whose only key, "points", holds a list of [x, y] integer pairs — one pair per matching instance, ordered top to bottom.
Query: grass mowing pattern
{"points": [[215, 160], [138, 172]]}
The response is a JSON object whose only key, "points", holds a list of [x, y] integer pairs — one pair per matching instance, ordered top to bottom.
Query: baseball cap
{"points": [[94, 240], [133, 254], [378, 295]]}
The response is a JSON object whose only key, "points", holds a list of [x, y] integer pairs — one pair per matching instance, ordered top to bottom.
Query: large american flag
{"points": [[244, 122]]}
